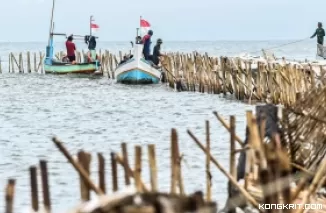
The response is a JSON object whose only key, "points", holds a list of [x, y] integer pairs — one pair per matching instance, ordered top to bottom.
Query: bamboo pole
{"points": [[29, 68], [227, 127], [138, 153], [84, 159], [208, 160], [173, 162], [125, 163], [77, 166], [152, 166], [114, 170], [233, 171], [101, 172], [131, 173], [233, 181], [45, 185], [34, 188], [9, 197]]}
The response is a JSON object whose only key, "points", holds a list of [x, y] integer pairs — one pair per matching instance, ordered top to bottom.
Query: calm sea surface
{"points": [[97, 115]]}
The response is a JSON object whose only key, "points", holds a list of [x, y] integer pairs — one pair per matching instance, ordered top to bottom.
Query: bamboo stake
{"points": [[9, 61], [35, 67], [29, 69], [227, 127], [84, 159], [208, 160], [173, 162], [125, 163], [77, 166], [152, 166], [138, 168], [233, 171], [101, 172], [114, 173], [131, 173], [233, 181], [45, 185], [313, 186], [34, 190], [10, 193]]}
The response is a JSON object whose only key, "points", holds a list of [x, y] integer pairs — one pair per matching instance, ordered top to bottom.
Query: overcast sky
{"points": [[173, 20]]}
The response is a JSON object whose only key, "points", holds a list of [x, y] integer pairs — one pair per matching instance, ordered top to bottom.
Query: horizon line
{"points": [[171, 41]]}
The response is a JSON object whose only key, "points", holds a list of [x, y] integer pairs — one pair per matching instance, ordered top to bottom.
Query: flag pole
{"points": [[51, 24], [90, 25]]}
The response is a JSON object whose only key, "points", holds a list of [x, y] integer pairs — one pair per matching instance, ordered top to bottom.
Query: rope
{"points": [[286, 44], [275, 47]]}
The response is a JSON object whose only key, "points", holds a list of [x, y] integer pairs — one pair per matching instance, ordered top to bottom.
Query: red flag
{"points": [[144, 23], [94, 27], [144, 27]]}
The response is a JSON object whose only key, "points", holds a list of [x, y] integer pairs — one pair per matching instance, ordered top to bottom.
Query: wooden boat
{"points": [[54, 66], [58, 67], [136, 70]]}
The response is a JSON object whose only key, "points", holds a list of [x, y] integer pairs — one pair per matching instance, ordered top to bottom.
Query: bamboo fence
{"points": [[250, 80]]}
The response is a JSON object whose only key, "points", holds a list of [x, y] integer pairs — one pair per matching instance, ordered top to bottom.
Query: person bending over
{"points": [[157, 52]]}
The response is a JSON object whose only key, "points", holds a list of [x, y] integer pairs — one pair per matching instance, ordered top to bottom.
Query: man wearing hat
{"points": [[320, 33], [157, 52]]}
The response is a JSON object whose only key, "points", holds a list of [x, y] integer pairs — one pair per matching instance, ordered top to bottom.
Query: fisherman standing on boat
{"points": [[320, 33], [147, 44], [71, 48], [157, 52], [91, 55]]}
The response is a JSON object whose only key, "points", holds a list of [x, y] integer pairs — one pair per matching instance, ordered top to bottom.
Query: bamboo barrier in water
{"points": [[33, 62], [250, 80], [288, 170], [268, 179], [139, 197]]}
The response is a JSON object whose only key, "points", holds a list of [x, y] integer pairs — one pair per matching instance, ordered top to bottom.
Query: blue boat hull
{"points": [[137, 76]]}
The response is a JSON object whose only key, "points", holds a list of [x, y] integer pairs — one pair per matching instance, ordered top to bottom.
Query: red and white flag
{"points": [[94, 27], [144, 27]]}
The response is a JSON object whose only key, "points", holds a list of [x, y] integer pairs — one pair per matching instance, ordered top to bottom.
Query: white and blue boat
{"points": [[136, 70]]}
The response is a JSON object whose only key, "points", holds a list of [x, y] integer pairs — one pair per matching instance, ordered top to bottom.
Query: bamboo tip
{"points": [[55, 139], [43, 162], [32, 168], [11, 181]]}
